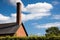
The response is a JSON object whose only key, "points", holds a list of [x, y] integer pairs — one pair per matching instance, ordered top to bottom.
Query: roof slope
{"points": [[6, 25], [10, 28]]}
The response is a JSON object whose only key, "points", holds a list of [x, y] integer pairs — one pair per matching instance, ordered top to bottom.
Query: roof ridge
{"points": [[7, 23]]}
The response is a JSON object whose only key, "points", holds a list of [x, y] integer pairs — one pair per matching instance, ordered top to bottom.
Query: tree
{"points": [[53, 31]]}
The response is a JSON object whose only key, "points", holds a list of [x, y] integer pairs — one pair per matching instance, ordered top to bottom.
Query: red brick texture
{"points": [[20, 32]]}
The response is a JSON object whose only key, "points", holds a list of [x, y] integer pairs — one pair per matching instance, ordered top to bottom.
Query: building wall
{"points": [[20, 32]]}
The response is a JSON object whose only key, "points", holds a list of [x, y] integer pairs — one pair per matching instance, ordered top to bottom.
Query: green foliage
{"points": [[53, 31], [30, 38]]}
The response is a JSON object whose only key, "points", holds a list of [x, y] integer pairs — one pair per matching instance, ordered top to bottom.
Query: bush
{"points": [[29, 38]]}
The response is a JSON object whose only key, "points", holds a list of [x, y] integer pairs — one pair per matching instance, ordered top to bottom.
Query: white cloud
{"points": [[13, 2], [55, 2], [39, 7], [37, 11], [13, 15], [34, 16], [2, 17], [56, 17], [7, 19], [55, 24]]}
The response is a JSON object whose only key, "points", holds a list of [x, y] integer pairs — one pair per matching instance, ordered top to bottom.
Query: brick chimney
{"points": [[18, 13]]}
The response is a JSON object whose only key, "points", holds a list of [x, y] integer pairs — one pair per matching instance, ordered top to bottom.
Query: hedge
{"points": [[29, 38]]}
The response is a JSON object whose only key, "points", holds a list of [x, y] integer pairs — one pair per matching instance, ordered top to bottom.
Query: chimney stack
{"points": [[18, 13]]}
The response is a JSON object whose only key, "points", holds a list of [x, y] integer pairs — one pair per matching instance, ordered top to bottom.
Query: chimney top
{"points": [[18, 3]]}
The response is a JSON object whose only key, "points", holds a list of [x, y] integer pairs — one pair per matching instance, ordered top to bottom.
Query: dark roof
{"points": [[6, 25], [10, 28]]}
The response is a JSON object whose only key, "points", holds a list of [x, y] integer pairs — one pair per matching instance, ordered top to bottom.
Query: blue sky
{"points": [[37, 15]]}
